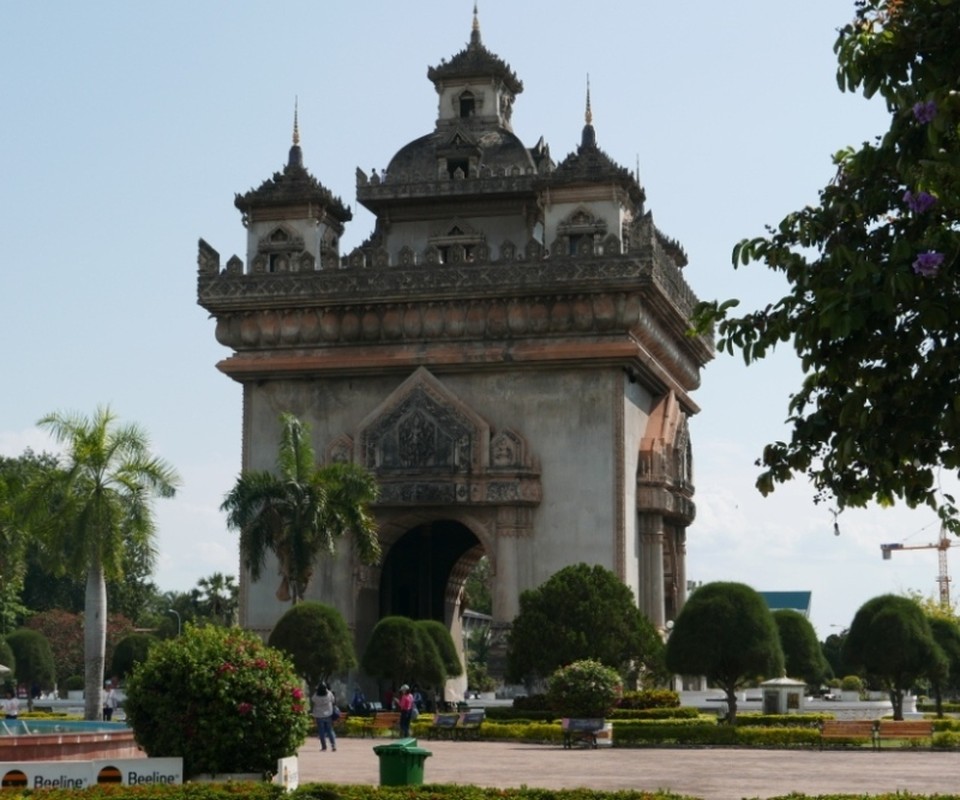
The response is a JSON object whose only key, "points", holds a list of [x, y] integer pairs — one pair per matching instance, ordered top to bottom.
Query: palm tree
{"points": [[89, 509], [301, 512], [219, 597]]}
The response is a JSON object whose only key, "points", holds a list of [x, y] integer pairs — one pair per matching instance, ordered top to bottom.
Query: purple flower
{"points": [[924, 112], [920, 202], [928, 264]]}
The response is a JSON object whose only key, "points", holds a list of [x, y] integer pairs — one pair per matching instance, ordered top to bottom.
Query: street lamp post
{"points": [[177, 615]]}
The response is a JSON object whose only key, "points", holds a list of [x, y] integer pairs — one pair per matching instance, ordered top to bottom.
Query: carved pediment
{"points": [[458, 140], [582, 220], [455, 229], [280, 239], [423, 426], [427, 447]]}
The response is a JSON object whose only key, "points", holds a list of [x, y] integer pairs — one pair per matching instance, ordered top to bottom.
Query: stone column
{"points": [[650, 527], [681, 568]]}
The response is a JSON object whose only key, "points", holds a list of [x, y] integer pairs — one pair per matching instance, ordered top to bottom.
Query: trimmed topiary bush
{"points": [[316, 638], [130, 651], [33, 658], [851, 683], [583, 689], [650, 698], [220, 699]]}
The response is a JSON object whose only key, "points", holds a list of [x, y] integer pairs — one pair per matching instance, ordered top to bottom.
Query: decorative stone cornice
{"points": [[219, 291], [629, 310]]}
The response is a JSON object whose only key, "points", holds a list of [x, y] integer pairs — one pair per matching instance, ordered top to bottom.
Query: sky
{"points": [[127, 128]]}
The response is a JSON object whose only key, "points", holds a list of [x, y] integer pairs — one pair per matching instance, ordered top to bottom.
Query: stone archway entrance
{"points": [[425, 570]]}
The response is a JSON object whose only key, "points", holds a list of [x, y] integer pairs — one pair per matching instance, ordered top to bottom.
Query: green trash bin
{"points": [[401, 762]]}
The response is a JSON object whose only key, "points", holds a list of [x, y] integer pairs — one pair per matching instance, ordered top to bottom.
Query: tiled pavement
{"points": [[708, 773]]}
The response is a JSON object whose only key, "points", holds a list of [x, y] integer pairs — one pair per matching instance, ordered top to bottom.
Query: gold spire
{"points": [[475, 28], [588, 116], [296, 126]]}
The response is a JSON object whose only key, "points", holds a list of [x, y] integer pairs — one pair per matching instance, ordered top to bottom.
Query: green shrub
{"points": [[851, 683], [583, 689], [218, 698], [650, 698], [682, 712], [502, 714], [758, 720], [706, 733], [947, 740]]}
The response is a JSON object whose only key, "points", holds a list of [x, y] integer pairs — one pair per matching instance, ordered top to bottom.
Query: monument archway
{"points": [[507, 352], [425, 570]]}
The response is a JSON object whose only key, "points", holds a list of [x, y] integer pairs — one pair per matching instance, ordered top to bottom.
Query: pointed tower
{"points": [[593, 201], [293, 222]]}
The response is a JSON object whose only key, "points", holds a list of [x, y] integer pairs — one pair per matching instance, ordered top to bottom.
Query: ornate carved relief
{"points": [[208, 259], [423, 426], [428, 448], [340, 450], [664, 483]]}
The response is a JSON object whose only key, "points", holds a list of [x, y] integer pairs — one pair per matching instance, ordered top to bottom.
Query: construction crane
{"points": [[942, 545]]}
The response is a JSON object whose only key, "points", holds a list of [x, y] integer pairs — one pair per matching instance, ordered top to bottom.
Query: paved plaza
{"points": [[708, 773]]}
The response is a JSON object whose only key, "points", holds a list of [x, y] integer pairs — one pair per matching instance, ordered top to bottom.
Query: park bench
{"points": [[381, 721], [468, 725], [444, 726], [903, 729], [580, 731], [847, 731]]}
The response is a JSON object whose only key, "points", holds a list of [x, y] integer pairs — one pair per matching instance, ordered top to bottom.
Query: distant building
{"points": [[795, 601]]}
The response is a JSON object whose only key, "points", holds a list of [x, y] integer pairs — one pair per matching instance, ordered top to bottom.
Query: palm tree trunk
{"points": [[94, 640]]}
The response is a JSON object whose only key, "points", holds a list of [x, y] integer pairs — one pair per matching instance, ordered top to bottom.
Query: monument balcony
{"points": [[382, 191]]}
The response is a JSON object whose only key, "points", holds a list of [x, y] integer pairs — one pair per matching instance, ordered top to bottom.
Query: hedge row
{"points": [[502, 714], [705, 733], [325, 791]]}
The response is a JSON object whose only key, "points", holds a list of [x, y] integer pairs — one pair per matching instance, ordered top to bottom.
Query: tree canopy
{"points": [[873, 307], [15, 475], [301, 511], [581, 612], [726, 632], [317, 640], [443, 641], [890, 642], [131, 650], [803, 658], [34, 659], [946, 674]]}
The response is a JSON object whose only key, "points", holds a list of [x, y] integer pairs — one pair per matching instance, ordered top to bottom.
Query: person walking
{"points": [[323, 702], [109, 703], [406, 707]]}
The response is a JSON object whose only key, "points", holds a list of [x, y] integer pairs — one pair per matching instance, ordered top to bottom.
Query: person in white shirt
{"points": [[109, 703], [323, 704], [11, 706]]}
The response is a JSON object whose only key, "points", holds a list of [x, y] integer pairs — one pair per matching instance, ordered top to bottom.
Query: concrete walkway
{"points": [[707, 773]]}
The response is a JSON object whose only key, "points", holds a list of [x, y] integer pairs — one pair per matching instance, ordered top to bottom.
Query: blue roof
{"points": [[797, 601]]}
